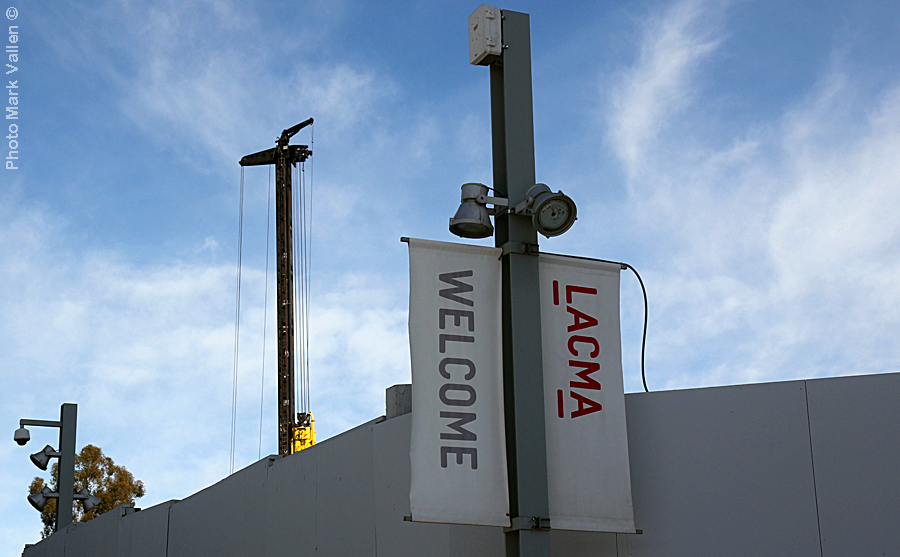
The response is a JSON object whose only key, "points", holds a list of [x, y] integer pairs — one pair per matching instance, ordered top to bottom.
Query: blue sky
{"points": [[742, 155]]}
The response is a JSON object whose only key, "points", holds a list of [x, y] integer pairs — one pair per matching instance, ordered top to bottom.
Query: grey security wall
{"points": [[855, 433], [801, 468], [724, 471]]}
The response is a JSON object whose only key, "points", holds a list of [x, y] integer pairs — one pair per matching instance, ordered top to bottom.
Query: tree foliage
{"points": [[113, 485]]}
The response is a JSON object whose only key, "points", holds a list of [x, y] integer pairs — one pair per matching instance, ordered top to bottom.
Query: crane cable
{"points": [[312, 144], [302, 236], [302, 242], [298, 300], [303, 307], [237, 323], [262, 379]]}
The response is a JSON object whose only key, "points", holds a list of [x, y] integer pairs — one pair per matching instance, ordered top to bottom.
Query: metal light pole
{"points": [[501, 39], [512, 132], [68, 417]]}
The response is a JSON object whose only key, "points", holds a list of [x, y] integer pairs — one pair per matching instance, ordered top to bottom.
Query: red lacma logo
{"points": [[585, 347]]}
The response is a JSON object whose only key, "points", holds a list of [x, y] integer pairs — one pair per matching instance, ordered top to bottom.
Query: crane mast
{"points": [[296, 431]]}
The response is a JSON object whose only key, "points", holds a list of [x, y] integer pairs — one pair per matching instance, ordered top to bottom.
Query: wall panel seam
{"points": [[812, 461]]}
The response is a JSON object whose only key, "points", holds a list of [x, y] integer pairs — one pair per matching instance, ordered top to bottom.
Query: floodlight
{"points": [[551, 213], [472, 219], [21, 436], [42, 458], [39, 500], [88, 500]]}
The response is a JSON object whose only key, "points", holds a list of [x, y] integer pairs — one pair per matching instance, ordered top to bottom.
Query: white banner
{"points": [[457, 448], [589, 480]]}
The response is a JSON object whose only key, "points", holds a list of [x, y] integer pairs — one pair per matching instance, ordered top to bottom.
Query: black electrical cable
{"points": [[644, 290], [644, 338]]}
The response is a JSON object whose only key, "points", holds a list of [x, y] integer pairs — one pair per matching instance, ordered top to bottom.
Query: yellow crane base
{"points": [[303, 435]]}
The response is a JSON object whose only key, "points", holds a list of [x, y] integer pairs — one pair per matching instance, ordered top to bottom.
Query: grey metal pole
{"points": [[512, 130], [68, 417]]}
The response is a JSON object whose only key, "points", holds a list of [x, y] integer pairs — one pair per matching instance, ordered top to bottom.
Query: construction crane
{"points": [[296, 431]]}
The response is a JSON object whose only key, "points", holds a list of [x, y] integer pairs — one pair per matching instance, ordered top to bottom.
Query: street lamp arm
{"points": [[496, 201], [39, 423]]}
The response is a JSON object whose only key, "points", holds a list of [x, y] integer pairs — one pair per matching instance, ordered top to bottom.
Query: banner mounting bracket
{"points": [[525, 248], [528, 523]]}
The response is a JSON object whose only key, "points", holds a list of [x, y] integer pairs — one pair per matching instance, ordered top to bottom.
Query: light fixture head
{"points": [[551, 213], [472, 219], [21, 436], [42, 457], [39, 500], [87, 500]]}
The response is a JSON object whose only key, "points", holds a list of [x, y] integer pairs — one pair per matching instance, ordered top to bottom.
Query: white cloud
{"points": [[206, 77], [660, 85], [209, 243], [777, 255], [358, 346], [146, 352]]}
